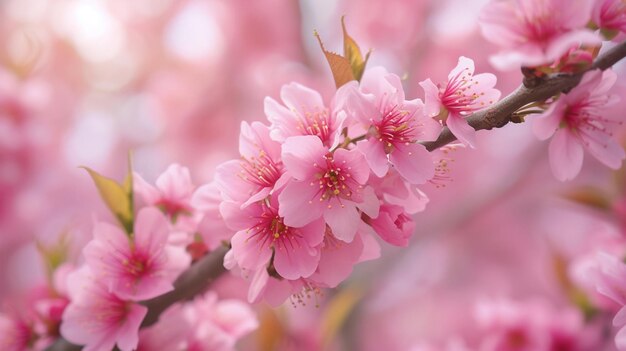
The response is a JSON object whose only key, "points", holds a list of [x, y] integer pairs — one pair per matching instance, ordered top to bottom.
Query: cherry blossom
{"points": [[535, 32], [463, 94], [303, 113], [577, 121], [392, 126], [258, 172], [325, 184], [262, 235], [140, 267], [97, 317]]}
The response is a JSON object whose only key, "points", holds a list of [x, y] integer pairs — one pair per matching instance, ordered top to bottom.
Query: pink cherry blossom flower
{"points": [[610, 15], [535, 32], [463, 94], [303, 113], [577, 122], [392, 126], [259, 171], [325, 184], [394, 190], [172, 193], [393, 225], [212, 228], [263, 234], [338, 258], [140, 267], [611, 282], [97, 317], [232, 318], [530, 326], [15, 335]]}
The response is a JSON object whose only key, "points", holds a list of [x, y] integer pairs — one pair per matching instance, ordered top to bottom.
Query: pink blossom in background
{"points": [[610, 15], [535, 32], [463, 94], [577, 121], [172, 193], [212, 227], [343, 232], [138, 267], [610, 282], [98, 318]]}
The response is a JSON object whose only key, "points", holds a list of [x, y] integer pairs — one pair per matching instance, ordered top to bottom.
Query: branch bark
{"points": [[499, 114], [198, 277]]}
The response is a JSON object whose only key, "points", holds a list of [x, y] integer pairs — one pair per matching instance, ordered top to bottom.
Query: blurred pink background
{"points": [[83, 82]]}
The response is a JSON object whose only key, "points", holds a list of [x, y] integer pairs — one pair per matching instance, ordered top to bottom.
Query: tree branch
{"points": [[499, 114], [190, 283]]}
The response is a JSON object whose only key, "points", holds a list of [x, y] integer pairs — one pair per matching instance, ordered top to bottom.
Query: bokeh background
{"points": [[82, 82]]}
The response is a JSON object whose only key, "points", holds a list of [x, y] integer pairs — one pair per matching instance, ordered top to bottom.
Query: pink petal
{"points": [[563, 43], [464, 65], [431, 98], [301, 99], [283, 122], [548, 122], [461, 130], [606, 150], [301, 154], [375, 155], [566, 155], [355, 162], [414, 163], [175, 182], [149, 193], [300, 204], [343, 219], [151, 230], [249, 252], [297, 260], [337, 261], [258, 285], [620, 318], [128, 335], [620, 339]]}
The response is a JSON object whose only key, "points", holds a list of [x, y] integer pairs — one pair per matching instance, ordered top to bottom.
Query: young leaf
{"points": [[352, 52], [339, 65], [351, 65], [118, 198]]}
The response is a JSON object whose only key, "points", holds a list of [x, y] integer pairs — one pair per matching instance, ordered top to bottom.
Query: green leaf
{"points": [[352, 53], [117, 197]]}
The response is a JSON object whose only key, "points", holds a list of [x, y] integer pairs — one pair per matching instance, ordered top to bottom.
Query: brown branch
{"points": [[499, 114], [189, 284]]}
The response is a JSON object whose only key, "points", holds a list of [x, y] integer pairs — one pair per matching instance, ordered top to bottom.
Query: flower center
{"points": [[458, 96], [316, 123], [396, 127], [261, 170], [333, 180]]}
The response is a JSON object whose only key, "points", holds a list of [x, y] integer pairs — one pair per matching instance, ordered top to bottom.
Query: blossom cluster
{"points": [[564, 36], [320, 184], [314, 189], [100, 301]]}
